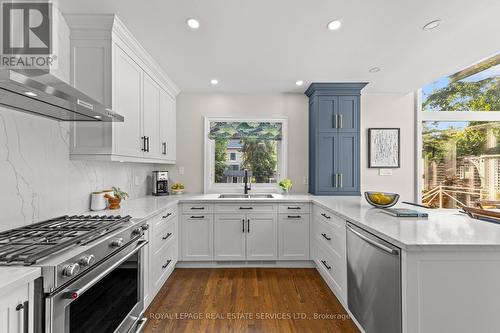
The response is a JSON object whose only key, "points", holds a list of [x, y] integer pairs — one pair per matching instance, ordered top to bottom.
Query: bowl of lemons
{"points": [[177, 188], [381, 199]]}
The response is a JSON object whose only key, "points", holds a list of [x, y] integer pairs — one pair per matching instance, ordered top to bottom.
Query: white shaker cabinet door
{"points": [[127, 83], [151, 116], [168, 120], [230, 231], [197, 237], [262, 237], [294, 237], [12, 310]]}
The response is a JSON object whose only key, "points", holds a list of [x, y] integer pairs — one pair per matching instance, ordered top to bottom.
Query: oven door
{"points": [[107, 299]]}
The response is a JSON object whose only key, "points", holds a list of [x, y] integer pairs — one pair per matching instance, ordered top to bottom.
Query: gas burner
{"points": [[27, 245]]}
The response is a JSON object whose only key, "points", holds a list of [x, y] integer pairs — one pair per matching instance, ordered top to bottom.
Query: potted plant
{"points": [[286, 185], [115, 199]]}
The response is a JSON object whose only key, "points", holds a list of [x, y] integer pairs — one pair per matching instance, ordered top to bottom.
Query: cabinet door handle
{"points": [[340, 121], [143, 138], [147, 142], [164, 150], [340, 180], [246, 208], [166, 216], [294, 216], [326, 216], [198, 217], [243, 225], [248, 225], [166, 236], [326, 237], [166, 264], [326, 265], [25, 309]]}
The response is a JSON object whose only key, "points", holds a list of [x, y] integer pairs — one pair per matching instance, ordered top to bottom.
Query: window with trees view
{"points": [[461, 138], [233, 146]]}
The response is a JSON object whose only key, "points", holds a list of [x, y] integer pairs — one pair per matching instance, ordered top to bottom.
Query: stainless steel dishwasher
{"points": [[373, 281]]}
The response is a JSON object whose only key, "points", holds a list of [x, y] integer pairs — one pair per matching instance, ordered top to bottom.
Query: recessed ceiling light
{"points": [[193, 23], [334, 25], [431, 25], [374, 69], [214, 82], [299, 83], [30, 93], [97, 117]]}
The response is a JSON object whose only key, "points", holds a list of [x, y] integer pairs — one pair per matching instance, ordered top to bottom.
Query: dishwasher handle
{"points": [[372, 242]]}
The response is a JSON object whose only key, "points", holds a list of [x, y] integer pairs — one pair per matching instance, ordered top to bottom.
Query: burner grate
{"points": [[29, 244]]}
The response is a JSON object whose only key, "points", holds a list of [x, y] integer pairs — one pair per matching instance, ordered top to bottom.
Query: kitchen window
{"points": [[460, 137], [235, 145]]}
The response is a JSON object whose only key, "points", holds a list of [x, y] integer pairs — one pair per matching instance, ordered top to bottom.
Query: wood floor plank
{"points": [[249, 300]]}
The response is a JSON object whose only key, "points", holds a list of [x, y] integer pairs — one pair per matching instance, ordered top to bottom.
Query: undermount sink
{"points": [[246, 196]]}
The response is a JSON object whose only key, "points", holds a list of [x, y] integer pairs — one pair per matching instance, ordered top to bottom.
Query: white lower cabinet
{"points": [[197, 237], [230, 237], [246, 237], [262, 237], [293, 237], [161, 254], [12, 310]]}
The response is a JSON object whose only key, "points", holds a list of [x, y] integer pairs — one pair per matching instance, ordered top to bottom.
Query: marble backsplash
{"points": [[38, 180]]}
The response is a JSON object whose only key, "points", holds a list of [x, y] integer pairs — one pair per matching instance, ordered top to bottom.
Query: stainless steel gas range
{"points": [[92, 272]]}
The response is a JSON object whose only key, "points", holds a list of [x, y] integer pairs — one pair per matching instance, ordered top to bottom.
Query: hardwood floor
{"points": [[247, 300]]}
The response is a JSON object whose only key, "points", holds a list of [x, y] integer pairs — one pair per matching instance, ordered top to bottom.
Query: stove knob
{"points": [[145, 226], [137, 231], [117, 242], [87, 260], [70, 270]]}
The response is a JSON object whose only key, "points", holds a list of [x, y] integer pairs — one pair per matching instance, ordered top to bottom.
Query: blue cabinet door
{"points": [[327, 113], [348, 113], [348, 163], [326, 167]]}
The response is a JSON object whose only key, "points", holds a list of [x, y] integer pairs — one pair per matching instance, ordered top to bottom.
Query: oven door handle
{"points": [[74, 294]]}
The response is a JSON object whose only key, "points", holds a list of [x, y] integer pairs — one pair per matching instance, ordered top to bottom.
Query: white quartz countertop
{"points": [[444, 229], [13, 277]]}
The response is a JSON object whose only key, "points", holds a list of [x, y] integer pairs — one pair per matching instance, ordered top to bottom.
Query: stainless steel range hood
{"points": [[41, 93]]}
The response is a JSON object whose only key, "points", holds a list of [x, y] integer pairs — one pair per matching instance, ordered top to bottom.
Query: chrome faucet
{"points": [[248, 183]]}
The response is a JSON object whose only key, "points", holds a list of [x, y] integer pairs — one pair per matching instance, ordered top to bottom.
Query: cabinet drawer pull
{"points": [[246, 207], [197, 208], [293, 208], [166, 216], [294, 216], [326, 216], [197, 217], [166, 236], [326, 237], [166, 264], [326, 265]]}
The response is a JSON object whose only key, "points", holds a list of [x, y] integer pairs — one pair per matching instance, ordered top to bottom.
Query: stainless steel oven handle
{"points": [[372, 242], [83, 289], [141, 323]]}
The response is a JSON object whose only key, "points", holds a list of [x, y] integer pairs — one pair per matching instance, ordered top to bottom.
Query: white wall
{"points": [[192, 107], [378, 110], [389, 110], [37, 179]]}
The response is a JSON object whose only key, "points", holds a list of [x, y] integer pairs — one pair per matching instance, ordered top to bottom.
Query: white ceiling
{"points": [[266, 45]]}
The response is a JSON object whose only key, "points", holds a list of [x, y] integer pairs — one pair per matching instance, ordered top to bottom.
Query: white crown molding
{"points": [[109, 26]]}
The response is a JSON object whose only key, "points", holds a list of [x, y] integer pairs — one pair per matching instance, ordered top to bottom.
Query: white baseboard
{"points": [[246, 264]]}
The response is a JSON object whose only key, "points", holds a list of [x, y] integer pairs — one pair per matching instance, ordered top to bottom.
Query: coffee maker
{"points": [[160, 183]]}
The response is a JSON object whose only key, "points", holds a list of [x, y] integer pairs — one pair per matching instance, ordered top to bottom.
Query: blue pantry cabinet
{"points": [[334, 128]]}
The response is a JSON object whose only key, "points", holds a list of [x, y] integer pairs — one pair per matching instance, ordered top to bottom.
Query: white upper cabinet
{"points": [[110, 65]]}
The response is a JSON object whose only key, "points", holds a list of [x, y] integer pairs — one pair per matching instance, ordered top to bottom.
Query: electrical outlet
{"points": [[181, 171], [385, 172]]}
